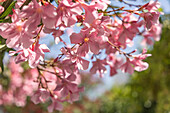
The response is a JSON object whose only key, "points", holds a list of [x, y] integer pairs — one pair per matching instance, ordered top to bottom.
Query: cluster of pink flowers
{"points": [[105, 30], [20, 86]]}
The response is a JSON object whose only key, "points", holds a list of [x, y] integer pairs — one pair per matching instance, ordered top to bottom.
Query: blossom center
{"points": [[62, 8], [39, 10], [19, 28], [86, 39]]}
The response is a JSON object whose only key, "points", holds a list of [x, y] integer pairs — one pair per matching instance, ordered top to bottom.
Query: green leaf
{"points": [[56, 1], [8, 10], [160, 10], [6, 20], [2, 40], [3, 48], [1, 60]]}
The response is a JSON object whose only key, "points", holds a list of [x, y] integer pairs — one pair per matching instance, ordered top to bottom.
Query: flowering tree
{"points": [[105, 30]]}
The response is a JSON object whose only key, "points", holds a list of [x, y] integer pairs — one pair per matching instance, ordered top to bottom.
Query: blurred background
{"points": [[143, 92]]}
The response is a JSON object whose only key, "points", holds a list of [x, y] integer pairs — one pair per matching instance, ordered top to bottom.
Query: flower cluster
{"points": [[105, 30], [20, 86]]}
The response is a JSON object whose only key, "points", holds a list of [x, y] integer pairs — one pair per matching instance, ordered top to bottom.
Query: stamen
{"points": [[39, 10], [19, 28], [86, 39]]}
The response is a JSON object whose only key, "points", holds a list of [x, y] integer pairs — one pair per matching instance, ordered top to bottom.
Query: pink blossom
{"points": [[2, 0], [19, 3], [101, 4], [152, 5], [1, 9], [35, 12], [66, 13], [90, 13], [151, 18], [100, 28], [128, 30], [155, 31], [16, 32], [56, 34], [17, 35], [152, 35], [87, 40], [147, 40], [34, 54], [71, 54], [114, 63], [138, 63], [68, 66], [98, 66], [127, 67], [14, 68], [51, 78], [16, 80], [58, 80], [29, 85], [20, 86], [66, 87], [40, 95], [75, 96], [7, 98], [55, 105]]}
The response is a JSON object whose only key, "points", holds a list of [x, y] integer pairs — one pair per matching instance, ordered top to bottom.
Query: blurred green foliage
{"points": [[148, 91]]}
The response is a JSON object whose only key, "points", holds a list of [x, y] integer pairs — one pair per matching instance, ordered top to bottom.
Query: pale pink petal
{"points": [[76, 38]]}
